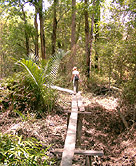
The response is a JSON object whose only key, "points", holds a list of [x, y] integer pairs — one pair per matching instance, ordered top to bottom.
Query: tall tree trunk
{"points": [[96, 22], [73, 25], [54, 28], [78, 28], [26, 33], [36, 34], [73, 34], [91, 35], [42, 36], [87, 46], [96, 58], [1, 59], [1, 64]]}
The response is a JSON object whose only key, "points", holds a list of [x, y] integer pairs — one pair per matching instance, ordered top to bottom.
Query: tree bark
{"points": [[96, 23], [73, 25], [54, 28], [26, 34], [36, 34], [73, 35], [42, 36], [91, 38], [87, 46], [1, 54], [1, 65]]}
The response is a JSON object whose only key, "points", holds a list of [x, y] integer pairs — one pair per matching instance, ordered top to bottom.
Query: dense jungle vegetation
{"points": [[40, 42]]}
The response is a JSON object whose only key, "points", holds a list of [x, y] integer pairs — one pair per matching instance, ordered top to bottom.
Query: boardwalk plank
{"points": [[60, 89], [80, 103], [70, 140], [82, 152]]}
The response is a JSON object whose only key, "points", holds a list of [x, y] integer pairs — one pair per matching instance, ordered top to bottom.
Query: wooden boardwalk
{"points": [[60, 89], [74, 131], [74, 135], [70, 141]]}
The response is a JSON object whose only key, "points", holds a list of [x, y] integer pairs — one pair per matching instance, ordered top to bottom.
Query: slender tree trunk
{"points": [[96, 23], [73, 25], [54, 28], [78, 29], [26, 34], [36, 34], [73, 35], [42, 36], [91, 36], [87, 46], [1, 60], [1, 65], [110, 71], [134, 113]]}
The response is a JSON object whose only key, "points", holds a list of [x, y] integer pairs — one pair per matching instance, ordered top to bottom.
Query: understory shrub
{"points": [[30, 90], [129, 91], [20, 93], [16, 151]]}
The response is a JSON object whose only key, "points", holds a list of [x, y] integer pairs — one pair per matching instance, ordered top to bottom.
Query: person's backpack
{"points": [[76, 77]]}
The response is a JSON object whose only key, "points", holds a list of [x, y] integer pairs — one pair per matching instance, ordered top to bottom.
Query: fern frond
{"points": [[25, 65], [52, 66], [34, 71], [47, 74], [42, 76]]}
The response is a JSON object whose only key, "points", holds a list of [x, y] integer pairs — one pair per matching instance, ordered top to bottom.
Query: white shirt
{"points": [[75, 72]]}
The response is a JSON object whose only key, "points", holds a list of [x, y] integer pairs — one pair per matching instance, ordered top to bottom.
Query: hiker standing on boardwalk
{"points": [[75, 77]]}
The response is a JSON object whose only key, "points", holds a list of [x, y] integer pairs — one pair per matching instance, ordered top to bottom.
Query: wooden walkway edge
{"points": [[60, 89], [74, 131], [70, 141], [81, 152]]}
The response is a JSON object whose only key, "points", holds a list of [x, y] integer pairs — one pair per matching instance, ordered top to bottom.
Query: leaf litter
{"points": [[102, 130]]}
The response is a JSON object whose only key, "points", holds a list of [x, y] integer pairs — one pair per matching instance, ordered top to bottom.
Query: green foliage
{"points": [[12, 35], [115, 44], [116, 49], [52, 67], [35, 72], [41, 77], [96, 81], [30, 91], [129, 91], [21, 94], [24, 95], [45, 97], [16, 151]]}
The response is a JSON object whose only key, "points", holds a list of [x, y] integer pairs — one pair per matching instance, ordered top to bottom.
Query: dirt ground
{"points": [[102, 130]]}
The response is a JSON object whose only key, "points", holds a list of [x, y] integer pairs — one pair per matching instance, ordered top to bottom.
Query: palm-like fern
{"points": [[53, 66], [33, 70], [47, 74], [44, 75]]}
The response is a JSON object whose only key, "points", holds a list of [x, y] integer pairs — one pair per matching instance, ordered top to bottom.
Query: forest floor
{"points": [[102, 130]]}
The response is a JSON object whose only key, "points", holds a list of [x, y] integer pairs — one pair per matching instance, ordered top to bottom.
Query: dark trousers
{"points": [[75, 84]]}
